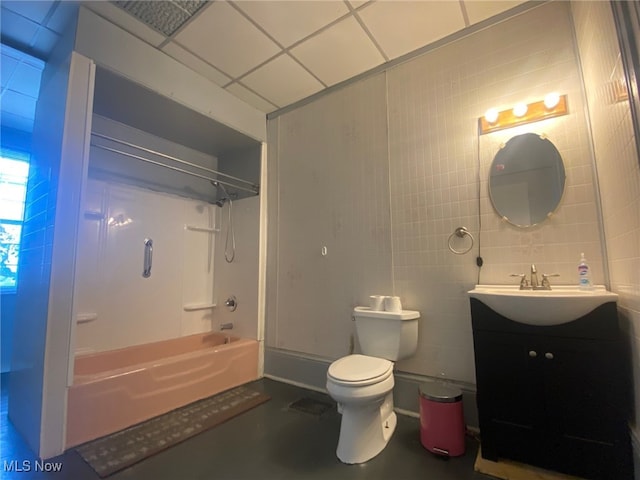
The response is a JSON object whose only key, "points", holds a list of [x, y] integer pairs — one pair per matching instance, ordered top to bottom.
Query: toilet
{"points": [[362, 385]]}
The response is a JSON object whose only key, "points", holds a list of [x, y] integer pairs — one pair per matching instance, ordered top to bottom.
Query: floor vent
{"points": [[311, 406]]}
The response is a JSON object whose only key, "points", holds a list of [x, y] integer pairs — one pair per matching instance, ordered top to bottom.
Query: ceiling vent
{"points": [[164, 16]]}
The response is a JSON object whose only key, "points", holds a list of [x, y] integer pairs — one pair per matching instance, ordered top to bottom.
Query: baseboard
{"points": [[295, 368], [311, 372], [294, 383]]}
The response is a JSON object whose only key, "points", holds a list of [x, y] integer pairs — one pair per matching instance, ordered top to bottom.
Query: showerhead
{"points": [[226, 197]]}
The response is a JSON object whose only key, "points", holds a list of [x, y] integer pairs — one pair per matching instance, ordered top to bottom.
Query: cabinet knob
{"points": [[533, 353], [548, 356]]}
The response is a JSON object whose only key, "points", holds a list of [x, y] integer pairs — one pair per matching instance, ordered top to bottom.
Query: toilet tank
{"points": [[390, 335]]}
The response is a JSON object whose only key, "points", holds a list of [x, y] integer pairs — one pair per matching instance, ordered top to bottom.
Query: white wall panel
{"points": [[119, 213], [197, 272], [239, 278], [118, 307], [132, 309]]}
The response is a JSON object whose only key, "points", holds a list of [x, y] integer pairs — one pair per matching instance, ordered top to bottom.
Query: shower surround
{"points": [[147, 337]]}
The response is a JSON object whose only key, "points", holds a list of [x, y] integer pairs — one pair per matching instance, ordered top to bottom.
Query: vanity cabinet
{"points": [[557, 397]]}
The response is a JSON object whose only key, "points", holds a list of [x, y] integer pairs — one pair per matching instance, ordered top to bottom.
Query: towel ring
{"points": [[460, 232]]}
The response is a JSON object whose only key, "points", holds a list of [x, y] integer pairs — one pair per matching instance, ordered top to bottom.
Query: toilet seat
{"points": [[359, 370]]}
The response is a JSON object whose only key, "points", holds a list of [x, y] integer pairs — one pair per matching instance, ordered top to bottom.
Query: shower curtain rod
{"points": [[252, 187]]}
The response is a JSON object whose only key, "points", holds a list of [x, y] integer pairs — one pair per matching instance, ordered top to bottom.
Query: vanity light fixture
{"points": [[552, 100], [554, 105], [520, 109], [491, 115]]}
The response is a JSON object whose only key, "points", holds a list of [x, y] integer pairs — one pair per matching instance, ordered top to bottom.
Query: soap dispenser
{"points": [[584, 274]]}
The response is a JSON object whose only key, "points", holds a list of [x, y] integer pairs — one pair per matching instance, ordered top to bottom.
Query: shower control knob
{"points": [[231, 303]]}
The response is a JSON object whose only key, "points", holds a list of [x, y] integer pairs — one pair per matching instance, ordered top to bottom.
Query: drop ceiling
{"points": [[272, 54], [20, 87]]}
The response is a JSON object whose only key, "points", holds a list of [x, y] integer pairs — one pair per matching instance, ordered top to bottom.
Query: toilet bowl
{"points": [[362, 385], [363, 388]]}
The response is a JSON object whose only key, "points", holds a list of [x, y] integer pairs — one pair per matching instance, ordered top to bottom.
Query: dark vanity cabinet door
{"points": [[508, 396], [556, 397], [585, 411]]}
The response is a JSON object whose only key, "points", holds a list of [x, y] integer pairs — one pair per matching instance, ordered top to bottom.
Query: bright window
{"points": [[14, 171]]}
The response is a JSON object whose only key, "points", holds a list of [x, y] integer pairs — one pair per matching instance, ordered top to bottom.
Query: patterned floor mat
{"points": [[120, 450]]}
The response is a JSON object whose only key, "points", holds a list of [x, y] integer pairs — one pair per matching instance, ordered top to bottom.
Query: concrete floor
{"points": [[270, 441]]}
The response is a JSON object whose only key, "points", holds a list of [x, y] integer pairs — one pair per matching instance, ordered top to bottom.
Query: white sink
{"points": [[561, 304]]}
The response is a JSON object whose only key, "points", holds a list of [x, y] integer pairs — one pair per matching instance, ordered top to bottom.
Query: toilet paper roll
{"points": [[376, 302], [392, 304]]}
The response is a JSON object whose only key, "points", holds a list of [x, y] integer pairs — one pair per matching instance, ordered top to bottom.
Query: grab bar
{"points": [[148, 257]]}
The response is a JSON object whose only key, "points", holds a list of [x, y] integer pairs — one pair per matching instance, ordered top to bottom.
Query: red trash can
{"points": [[441, 419]]}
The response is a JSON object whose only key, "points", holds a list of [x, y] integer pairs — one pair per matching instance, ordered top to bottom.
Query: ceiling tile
{"points": [[357, 3], [191, 6], [34, 10], [478, 10], [61, 17], [122, 19], [288, 21], [400, 27], [17, 28], [227, 40], [43, 43], [8, 52], [340, 52], [17, 55], [194, 63], [7, 68], [26, 80], [268, 81], [251, 98], [18, 104], [17, 122]]}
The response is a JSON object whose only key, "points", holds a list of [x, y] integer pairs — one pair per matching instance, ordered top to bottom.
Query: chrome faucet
{"points": [[534, 277], [525, 284], [545, 285]]}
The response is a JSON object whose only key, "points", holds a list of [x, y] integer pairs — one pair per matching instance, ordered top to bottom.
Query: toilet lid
{"points": [[360, 369]]}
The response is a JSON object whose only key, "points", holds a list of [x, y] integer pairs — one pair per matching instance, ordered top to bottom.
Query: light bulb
{"points": [[551, 100], [520, 109], [491, 115]]}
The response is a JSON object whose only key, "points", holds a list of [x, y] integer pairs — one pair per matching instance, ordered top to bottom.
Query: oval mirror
{"points": [[526, 180]]}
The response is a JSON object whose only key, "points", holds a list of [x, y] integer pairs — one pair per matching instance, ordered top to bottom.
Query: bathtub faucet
{"points": [[226, 326]]}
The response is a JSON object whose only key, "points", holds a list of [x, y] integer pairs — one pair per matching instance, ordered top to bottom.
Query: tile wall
{"points": [[416, 124], [435, 154], [618, 165], [331, 191], [36, 256]]}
